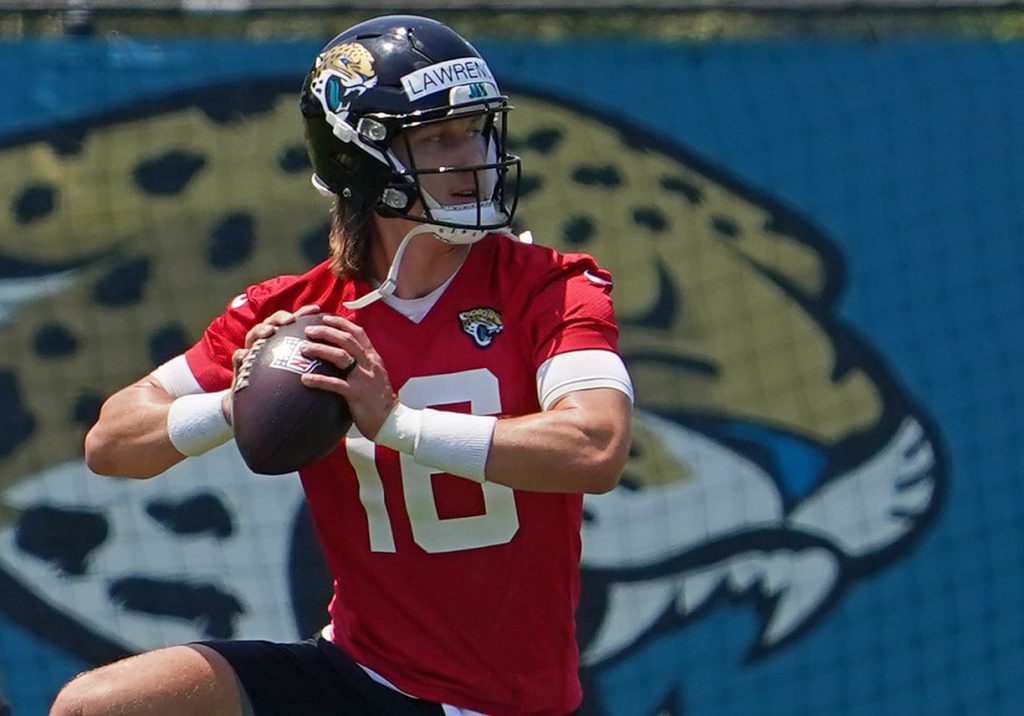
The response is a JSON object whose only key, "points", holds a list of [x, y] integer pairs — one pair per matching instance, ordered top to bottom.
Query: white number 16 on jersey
{"points": [[499, 522]]}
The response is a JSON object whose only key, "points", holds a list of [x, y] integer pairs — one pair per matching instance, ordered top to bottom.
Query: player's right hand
{"points": [[264, 329], [366, 386]]}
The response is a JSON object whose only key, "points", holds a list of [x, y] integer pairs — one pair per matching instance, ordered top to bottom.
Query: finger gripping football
{"points": [[280, 424]]}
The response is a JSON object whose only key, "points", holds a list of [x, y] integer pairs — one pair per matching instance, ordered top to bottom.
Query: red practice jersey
{"points": [[455, 592]]}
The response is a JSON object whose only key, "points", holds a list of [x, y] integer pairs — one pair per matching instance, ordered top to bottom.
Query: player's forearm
{"points": [[130, 438], [579, 445], [573, 449]]}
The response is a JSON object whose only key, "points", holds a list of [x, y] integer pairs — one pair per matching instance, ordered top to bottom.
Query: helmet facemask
{"points": [[491, 193]]}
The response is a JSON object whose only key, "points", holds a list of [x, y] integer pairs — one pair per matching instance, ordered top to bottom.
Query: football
{"points": [[280, 424]]}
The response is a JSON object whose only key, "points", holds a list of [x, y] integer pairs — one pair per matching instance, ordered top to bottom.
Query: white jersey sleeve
{"points": [[581, 370], [176, 377]]}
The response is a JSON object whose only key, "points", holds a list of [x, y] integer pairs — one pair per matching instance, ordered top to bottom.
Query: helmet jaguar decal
{"points": [[348, 68], [780, 480]]}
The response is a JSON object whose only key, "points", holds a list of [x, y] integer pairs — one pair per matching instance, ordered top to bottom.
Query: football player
{"points": [[487, 398]]}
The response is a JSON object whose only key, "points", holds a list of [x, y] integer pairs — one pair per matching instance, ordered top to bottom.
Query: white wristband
{"points": [[196, 423], [400, 429], [455, 443]]}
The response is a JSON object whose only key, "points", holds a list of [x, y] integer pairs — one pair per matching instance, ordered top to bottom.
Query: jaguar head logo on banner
{"points": [[776, 459]]}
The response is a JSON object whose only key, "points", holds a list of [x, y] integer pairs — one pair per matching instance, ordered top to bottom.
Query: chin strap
{"points": [[391, 281]]}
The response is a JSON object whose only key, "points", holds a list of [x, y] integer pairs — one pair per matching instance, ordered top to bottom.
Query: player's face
{"points": [[453, 143]]}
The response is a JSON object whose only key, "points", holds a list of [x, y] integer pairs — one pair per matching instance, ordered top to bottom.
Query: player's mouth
{"points": [[462, 196]]}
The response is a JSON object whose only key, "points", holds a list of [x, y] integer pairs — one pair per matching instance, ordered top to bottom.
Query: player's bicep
{"points": [[604, 409], [603, 417]]}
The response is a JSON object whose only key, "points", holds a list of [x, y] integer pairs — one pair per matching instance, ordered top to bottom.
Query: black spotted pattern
{"points": [[235, 103], [67, 141], [544, 141], [638, 142], [294, 159], [169, 173], [605, 175], [529, 183], [683, 188], [35, 202], [650, 217], [725, 227], [578, 230], [232, 241], [314, 243], [124, 284], [665, 308], [54, 340], [166, 342], [86, 410], [16, 423], [630, 483], [202, 514], [63, 537], [207, 606]]}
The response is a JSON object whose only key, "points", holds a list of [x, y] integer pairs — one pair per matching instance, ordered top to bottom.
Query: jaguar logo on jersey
{"points": [[341, 72], [481, 324]]}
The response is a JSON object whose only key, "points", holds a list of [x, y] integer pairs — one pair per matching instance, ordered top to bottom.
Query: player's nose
{"points": [[468, 152]]}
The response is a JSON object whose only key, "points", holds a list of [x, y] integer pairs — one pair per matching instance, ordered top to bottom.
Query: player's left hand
{"points": [[264, 329], [366, 388]]}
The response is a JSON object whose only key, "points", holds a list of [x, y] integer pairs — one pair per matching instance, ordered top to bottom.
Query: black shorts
{"points": [[312, 678]]}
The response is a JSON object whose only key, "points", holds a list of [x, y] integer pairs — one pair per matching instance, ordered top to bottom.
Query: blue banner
{"points": [[816, 247]]}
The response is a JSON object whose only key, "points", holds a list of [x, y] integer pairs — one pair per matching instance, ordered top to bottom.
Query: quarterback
{"points": [[487, 396]]}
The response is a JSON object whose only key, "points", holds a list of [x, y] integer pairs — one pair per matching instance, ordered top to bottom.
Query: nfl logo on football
{"points": [[288, 357]]}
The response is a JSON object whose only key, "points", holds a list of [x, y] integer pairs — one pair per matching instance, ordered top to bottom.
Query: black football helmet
{"points": [[382, 77]]}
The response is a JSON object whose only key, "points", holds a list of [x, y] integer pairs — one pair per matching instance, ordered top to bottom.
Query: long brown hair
{"points": [[349, 239]]}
